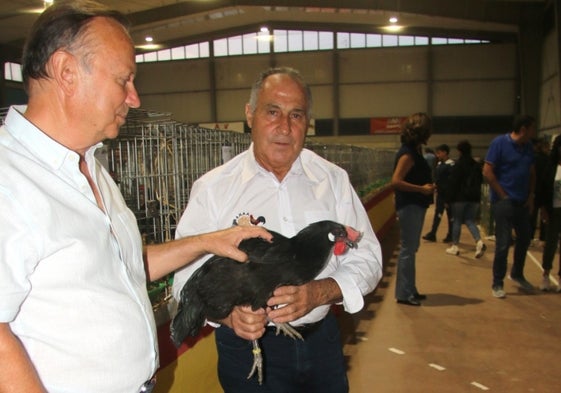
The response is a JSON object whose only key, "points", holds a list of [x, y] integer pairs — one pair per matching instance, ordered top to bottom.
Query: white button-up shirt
{"points": [[313, 190], [72, 280]]}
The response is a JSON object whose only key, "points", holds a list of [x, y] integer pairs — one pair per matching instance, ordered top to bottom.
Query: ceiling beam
{"points": [[496, 11]]}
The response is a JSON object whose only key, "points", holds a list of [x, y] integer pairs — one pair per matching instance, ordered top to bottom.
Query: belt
{"points": [[304, 330], [148, 386]]}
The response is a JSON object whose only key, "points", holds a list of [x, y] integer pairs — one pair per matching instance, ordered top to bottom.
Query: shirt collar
{"points": [[39, 144], [251, 168]]}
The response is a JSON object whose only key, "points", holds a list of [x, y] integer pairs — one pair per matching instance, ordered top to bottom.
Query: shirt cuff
{"points": [[353, 300]]}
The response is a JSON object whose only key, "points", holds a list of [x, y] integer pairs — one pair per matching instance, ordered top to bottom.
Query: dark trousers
{"points": [[439, 209], [510, 215], [536, 221], [553, 230], [313, 365]]}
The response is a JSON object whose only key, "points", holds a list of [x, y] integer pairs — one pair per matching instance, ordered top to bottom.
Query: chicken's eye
{"points": [[331, 237]]}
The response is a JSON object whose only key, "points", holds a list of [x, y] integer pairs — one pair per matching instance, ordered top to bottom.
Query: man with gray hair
{"points": [[279, 184]]}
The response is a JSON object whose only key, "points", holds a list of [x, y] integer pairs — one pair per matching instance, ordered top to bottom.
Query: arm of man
{"points": [[489, 175], [162, 259], [17, 374]]}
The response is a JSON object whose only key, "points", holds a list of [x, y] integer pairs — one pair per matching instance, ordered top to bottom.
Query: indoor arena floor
{"points": [[461, 339]]}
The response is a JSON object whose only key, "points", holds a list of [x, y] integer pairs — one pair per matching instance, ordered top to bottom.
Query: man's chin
{"points": [[113, 132]]}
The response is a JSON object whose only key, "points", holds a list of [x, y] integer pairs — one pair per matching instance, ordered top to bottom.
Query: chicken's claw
{"points": [[288, 330]]}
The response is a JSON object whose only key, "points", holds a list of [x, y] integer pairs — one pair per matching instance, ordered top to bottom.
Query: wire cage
{"points": [[155, 161], [368, 169]]}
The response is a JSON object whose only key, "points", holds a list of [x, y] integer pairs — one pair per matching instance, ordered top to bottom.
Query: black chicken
{"points": [[222, 283]]}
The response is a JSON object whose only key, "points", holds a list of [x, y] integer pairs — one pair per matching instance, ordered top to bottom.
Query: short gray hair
{"points": [[292, 73]]}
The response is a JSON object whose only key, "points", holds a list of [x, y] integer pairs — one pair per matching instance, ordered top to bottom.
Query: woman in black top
{"points": [[413, 187]]}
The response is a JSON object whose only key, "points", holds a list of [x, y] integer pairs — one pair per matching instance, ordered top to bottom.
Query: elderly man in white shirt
{"points": [[278, 184]]}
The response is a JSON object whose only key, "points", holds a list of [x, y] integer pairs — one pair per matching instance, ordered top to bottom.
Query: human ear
{"points": [[63, 69], [248, 115]]}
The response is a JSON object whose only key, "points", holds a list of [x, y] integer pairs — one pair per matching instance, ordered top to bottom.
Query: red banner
{"points": [[386, 125]]}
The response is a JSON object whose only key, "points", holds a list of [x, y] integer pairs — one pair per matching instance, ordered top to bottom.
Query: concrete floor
{"points": [[461, 339]]}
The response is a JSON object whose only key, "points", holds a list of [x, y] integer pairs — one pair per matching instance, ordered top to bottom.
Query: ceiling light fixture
{"points": [[393, 19], [393, 28], [264, 29], [149, 38], [148, 47]]}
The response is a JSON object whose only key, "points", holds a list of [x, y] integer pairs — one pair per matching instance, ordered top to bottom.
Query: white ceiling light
{"points": [[393, 19], [392, 28]]}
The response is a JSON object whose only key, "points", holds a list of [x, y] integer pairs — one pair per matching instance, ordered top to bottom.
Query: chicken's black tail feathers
{"points": [[189, 318]]}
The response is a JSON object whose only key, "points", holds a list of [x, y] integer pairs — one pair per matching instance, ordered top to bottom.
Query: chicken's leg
{"points": [[258, 357], [257, 362]]}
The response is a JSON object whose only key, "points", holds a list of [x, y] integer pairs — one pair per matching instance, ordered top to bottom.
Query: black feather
{"points": [[222, 283]]}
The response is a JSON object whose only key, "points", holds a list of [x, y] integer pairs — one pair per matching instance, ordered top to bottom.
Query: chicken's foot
{"points": [[288, 330]]}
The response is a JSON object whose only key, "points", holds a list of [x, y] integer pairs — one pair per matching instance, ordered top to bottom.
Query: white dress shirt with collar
{"points": [[313, 190], [72, 279]]}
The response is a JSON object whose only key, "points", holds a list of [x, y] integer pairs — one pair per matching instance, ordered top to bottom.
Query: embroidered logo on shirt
{"points": [[246, 219]]}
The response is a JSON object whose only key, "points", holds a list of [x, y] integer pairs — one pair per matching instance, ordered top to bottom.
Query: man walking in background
{"points": [[443, 170], [510, 171]]}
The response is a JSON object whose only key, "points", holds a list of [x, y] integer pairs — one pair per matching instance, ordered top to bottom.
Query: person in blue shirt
{"points": [[510, 171]]}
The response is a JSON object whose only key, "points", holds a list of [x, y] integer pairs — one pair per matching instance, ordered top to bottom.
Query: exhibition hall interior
{"points": [[471, 65]]}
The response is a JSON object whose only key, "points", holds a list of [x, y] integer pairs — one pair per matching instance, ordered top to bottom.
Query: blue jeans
{"points": [[464, 213], [510, 215], [411, 219], [313, 365]]}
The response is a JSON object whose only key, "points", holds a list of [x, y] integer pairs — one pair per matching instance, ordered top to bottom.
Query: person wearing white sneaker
{"points": [[464, 196], [548, 198], [480, 248], [453, 250], [546, 283], [499, 292]]}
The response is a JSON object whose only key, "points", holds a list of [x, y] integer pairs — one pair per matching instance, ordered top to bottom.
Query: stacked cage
{"points": [[155, 161]]}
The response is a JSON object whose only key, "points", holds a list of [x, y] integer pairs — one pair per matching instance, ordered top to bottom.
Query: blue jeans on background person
{"points": [[464, 213], [509, 215], [411, 219], [315, 364]]}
